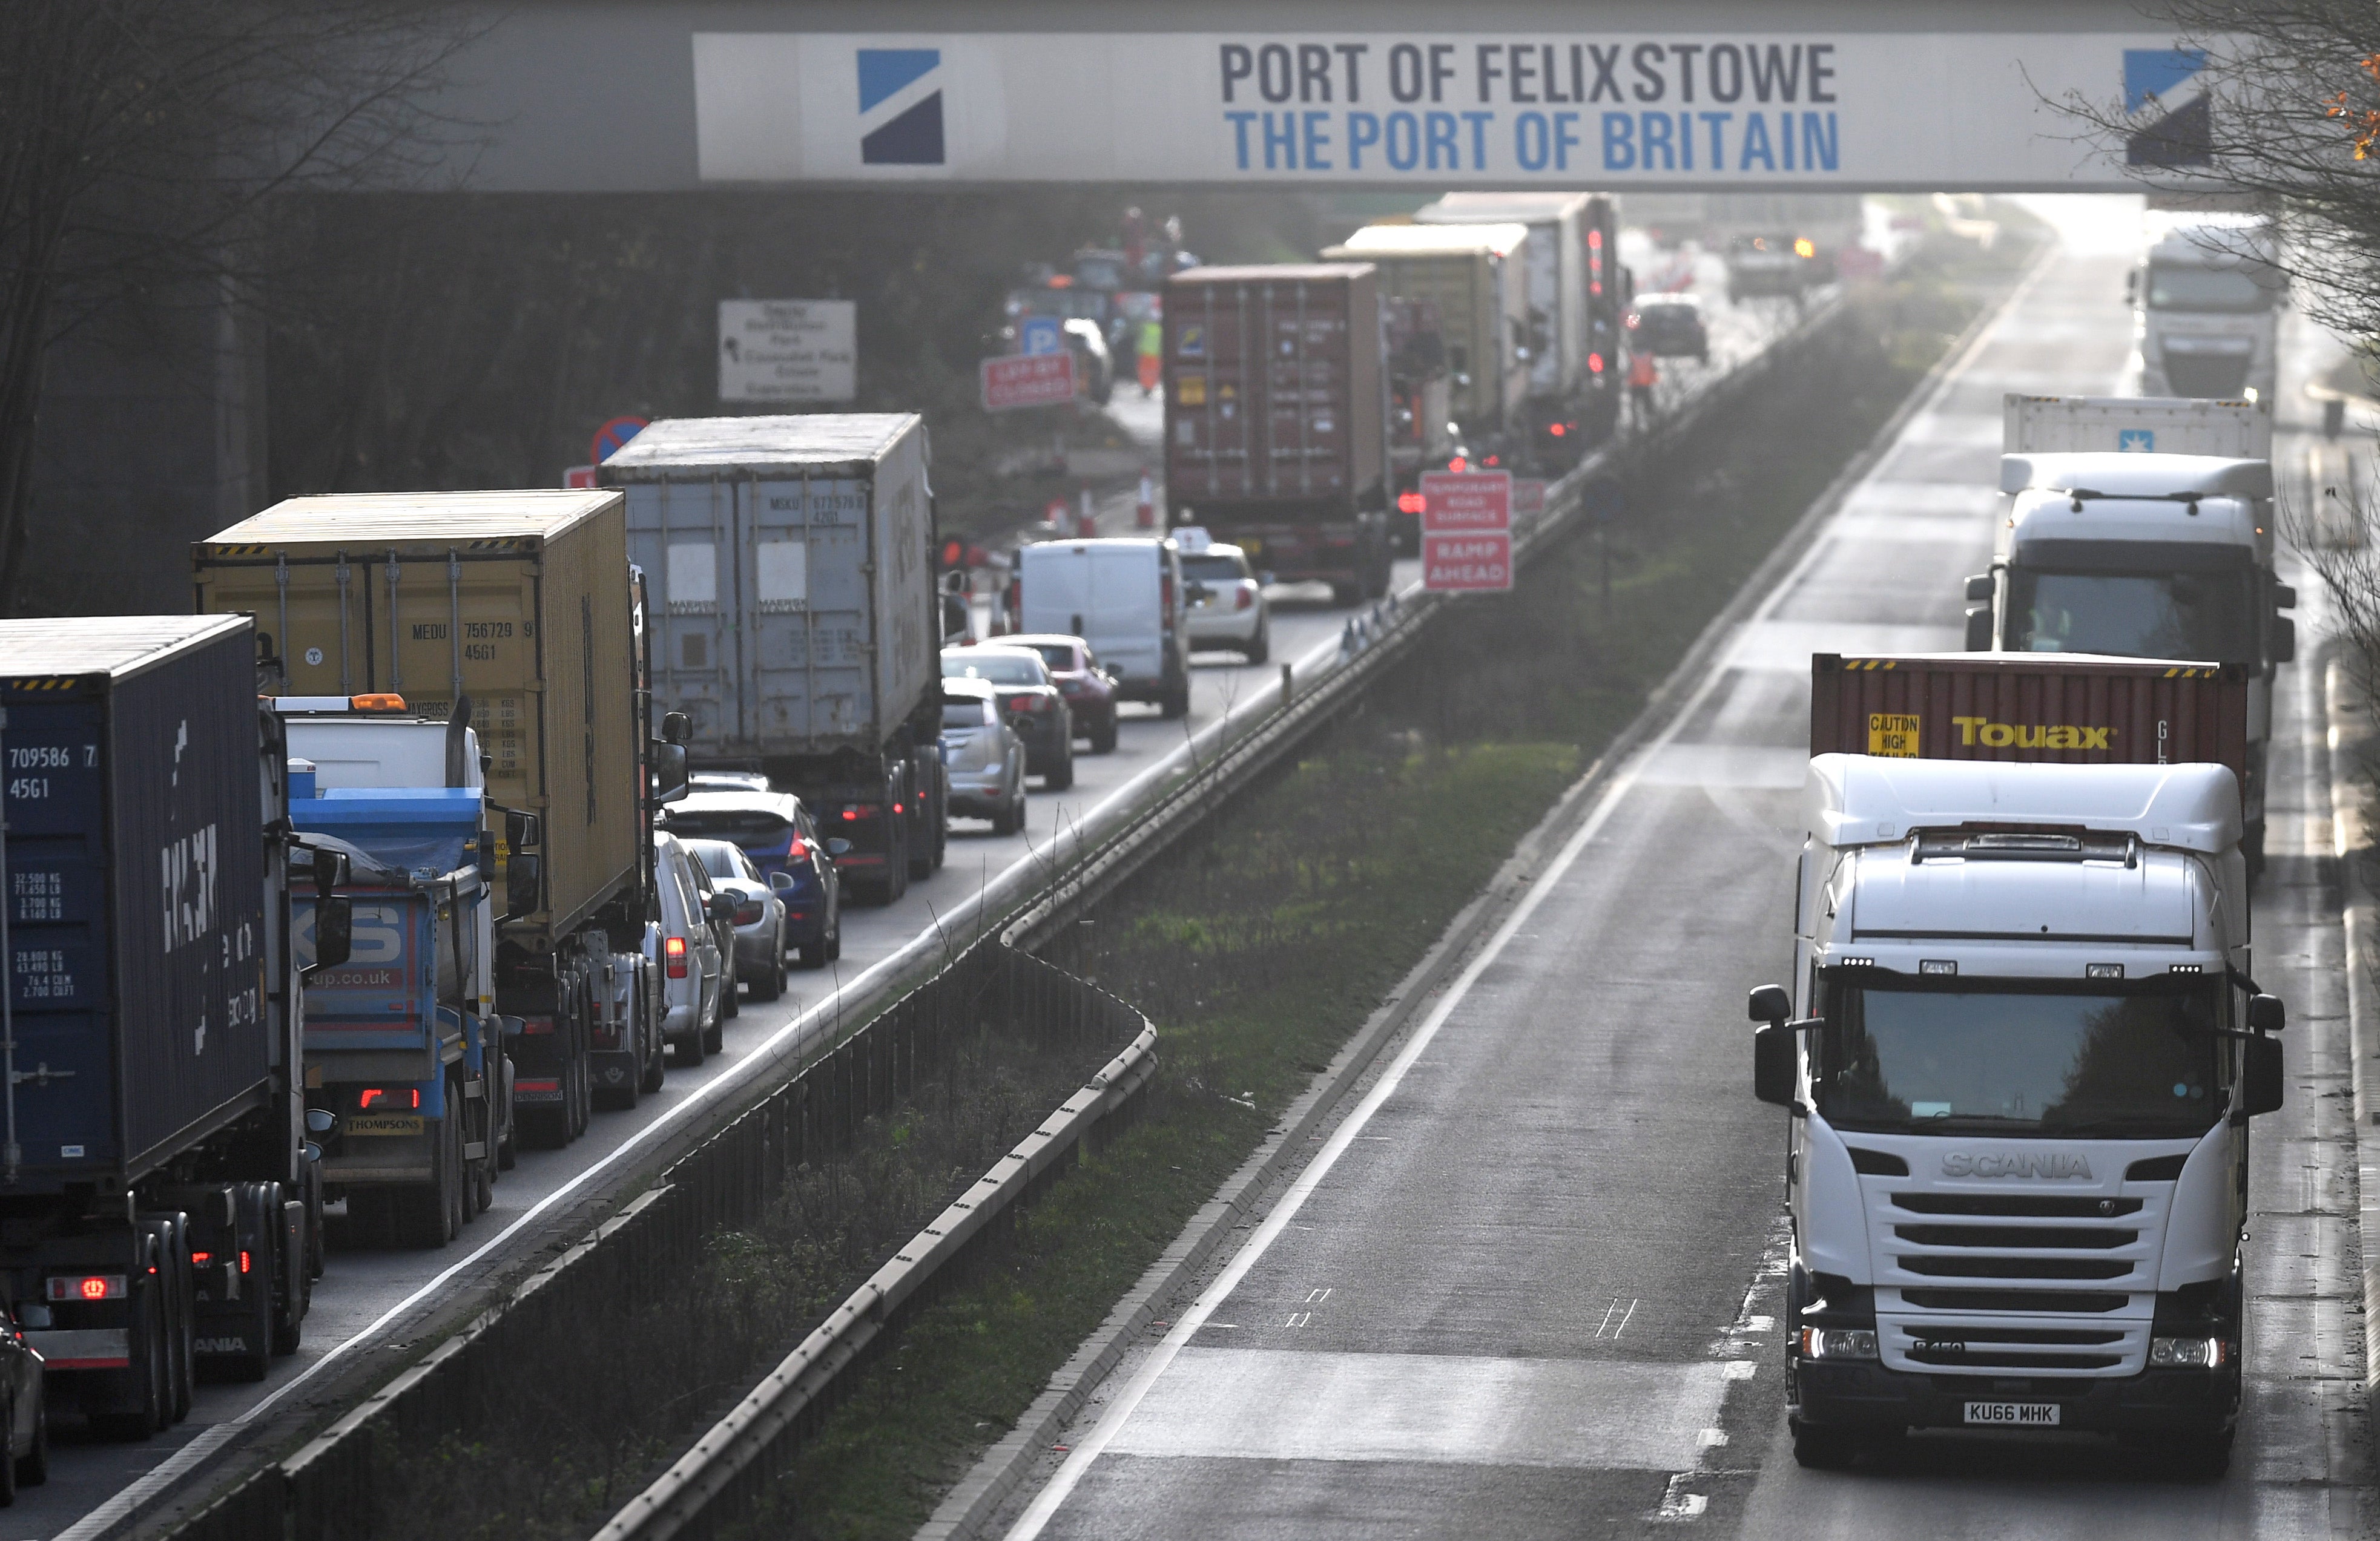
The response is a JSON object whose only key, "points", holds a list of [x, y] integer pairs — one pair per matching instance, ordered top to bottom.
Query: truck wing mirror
{"points": [[1979, 588], [2284, 597], [1979, 628], [2285, 639], [677, 727], [669, 772], [523, 830], [523, 873], [334, 930], [1770, 1004], [2266, 1014], [1773, 1066], [2260, 1081], [321, 1123]]}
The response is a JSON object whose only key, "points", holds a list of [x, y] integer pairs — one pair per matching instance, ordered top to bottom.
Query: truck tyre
{"points": [[896, 867], [578, 1083], [508, 1140], [256, 1206], [426, 1215], [181, 1313], [149, 1356], [1824, 1449], [34, 1466], [8, 1477]]}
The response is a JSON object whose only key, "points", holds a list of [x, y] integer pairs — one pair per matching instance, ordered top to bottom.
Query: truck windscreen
{"points": [[2179, 287], [2196, 615], [2132, 1060]]}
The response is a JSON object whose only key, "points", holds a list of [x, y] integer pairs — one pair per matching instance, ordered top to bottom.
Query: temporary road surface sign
{"points": [[1040, 335], [1028, 379], [611, 436], [1454, 501], [1471, 562]]}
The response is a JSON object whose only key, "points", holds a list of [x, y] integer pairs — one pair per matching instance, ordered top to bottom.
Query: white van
{"points": [[1124, 597]]}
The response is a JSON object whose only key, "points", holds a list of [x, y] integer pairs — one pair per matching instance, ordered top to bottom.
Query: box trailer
{"points": [[1477, 276], [1276, 433], [524, 604], [797, 617], [155, 1129]]}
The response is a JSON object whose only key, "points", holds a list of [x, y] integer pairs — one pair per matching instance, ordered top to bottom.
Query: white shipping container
{"points": [[2145, 425], [791, 560]]}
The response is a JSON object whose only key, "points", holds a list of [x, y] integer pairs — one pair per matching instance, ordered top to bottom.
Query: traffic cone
{"points": [[1143, 516]]}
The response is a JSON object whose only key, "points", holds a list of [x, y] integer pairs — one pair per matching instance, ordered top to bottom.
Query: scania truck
{"points": [[2142, 528], [2021, 1046]]}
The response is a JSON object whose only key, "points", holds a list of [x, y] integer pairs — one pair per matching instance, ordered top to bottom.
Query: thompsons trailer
{"points": [[798, 621], [2022, 1044]]}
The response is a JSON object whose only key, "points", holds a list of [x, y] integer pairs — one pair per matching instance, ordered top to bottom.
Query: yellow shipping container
{"points": [[518, 600]]}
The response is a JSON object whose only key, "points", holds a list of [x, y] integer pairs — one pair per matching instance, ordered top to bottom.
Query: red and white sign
{"points": [[1028, 380], [576, 477], [1529, 498], [1454, 501], [1466, 562]]}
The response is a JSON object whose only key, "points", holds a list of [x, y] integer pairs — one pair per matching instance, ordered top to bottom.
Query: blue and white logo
{"points": [[2165, 94], [900, 107], [1040, 335], [2136, 441]]}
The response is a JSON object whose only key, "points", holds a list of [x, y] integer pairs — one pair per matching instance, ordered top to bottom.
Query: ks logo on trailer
{"points": [[2165, 96], [901, 106]]}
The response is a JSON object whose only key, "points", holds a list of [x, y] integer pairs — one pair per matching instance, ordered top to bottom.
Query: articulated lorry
{"points": [[1477, 276], [1578, 295], [2206, 300], [1277, 433], [2142, 528], [524, 604], [798, 623], [403, 1040], [2022, 1044], [160, 1195]]}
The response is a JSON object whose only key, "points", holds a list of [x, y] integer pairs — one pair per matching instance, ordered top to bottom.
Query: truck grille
{"points": [[1976, 1281]]}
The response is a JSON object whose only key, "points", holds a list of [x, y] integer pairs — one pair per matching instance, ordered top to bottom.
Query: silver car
{"points": [[1227, 605], [983, 755], [759, 915], [693, 969]]}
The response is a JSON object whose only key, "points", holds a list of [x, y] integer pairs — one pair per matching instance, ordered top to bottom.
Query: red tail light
{"points": [[1594, 363], [1557, 429], [1495, 460], [1457, 464], [1412, 502], [1247, 598], [1025, 703], [798, 850], [746, 915], [673, 951], [531, 1027], [375, 1096], [201, 1260], [243, 1260], [109, 1286]]}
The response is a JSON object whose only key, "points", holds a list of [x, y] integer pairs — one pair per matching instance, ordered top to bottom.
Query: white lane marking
{"points": [[1624, 1321], [1741, 1369], [1456, 1410], [1679, 1504]]}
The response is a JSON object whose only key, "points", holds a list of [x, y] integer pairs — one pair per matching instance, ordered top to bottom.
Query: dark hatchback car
{"points": [[1669, 326], [1075, 670], [1029, 700], [775, 830]]}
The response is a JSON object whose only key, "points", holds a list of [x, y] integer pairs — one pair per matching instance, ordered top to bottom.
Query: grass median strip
{"points": [[1265, 939]]}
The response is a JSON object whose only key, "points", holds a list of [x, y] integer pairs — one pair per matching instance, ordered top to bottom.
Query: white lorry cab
{"points": [[2206, 299], [2141, 555], [1125, 596], [2021, 1048]]}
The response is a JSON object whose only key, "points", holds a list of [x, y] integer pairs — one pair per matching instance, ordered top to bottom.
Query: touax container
{"points": [[792, 561], [2022, 1044]]}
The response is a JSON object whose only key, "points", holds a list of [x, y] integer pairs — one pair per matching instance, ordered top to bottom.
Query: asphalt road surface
{"points": [[1530, 1285], [370, 1300]]}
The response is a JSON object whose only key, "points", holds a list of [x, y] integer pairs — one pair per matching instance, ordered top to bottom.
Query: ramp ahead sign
{"points": [[1545, 106], [1467, 531]]}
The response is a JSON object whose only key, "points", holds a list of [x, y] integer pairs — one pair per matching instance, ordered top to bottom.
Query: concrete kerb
{"points": [[2352, 738], [1004, 1466]]}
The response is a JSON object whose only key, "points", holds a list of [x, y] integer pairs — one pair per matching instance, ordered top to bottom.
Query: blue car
{"points": [[776, 830]]}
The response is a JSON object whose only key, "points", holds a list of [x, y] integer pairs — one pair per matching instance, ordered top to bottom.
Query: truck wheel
{"points": [[896, 870], [579, 1082], [509, 1142], [426, 1215], [181, 1314], [150, 1354], [1824, 1449], [8, 1477]]}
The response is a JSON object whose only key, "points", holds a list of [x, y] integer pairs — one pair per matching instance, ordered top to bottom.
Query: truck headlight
{"points": [[1835, 1343], [2187, 1354]]}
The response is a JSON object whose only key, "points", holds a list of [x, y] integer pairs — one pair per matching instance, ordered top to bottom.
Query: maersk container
{"points": [[791, 564], [519, 600], [2072, 709], [133, 851]]}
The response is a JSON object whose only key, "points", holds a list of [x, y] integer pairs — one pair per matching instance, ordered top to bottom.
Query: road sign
{"points": [[1040, 335], [788, 349], [1028, 380], [611, 436], [578, 477], [1454, 501], [1467, 562]]}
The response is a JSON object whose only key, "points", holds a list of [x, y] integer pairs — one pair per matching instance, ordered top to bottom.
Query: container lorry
{"points": [[1476, 275], [1578, 296], [2206, 297], [1422, 433], [1277, 434], [2162, 552], [524, 604], [798, 623], [403, 1040], [2021, 1046], [159, 1196]]}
